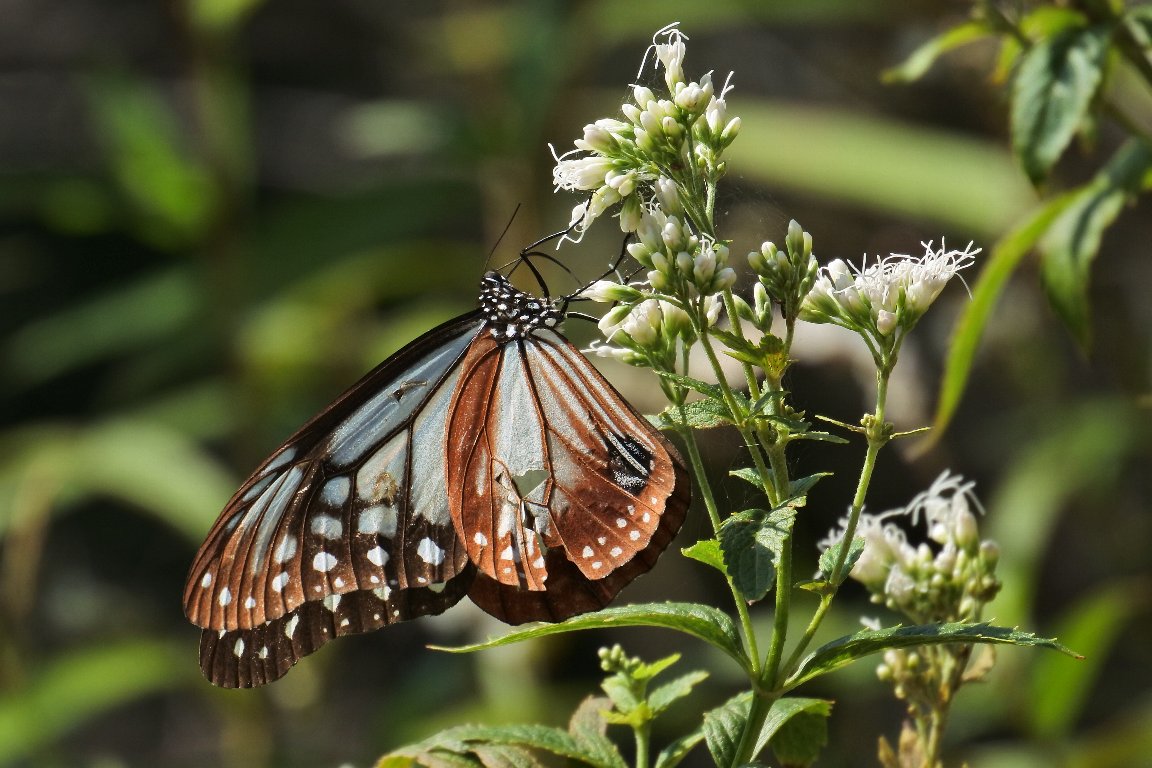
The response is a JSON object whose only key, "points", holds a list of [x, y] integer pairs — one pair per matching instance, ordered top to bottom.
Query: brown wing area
{"points": [[497, 447], [612, 493], [567, 591], [248, 658]]}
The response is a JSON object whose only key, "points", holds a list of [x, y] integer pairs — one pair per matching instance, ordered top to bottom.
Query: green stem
{"points": [[877, 437], [643, 734]]}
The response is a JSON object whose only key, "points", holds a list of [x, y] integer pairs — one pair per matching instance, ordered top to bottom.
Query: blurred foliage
{"points": [[214, 214]]}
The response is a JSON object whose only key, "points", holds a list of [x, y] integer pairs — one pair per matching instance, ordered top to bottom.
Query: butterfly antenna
{"points": [[500, 239]]}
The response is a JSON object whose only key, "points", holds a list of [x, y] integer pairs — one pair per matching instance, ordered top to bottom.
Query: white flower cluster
{"points": [[626, 161], [679, 261], [785, 277], [889, 295], [949, 582]]}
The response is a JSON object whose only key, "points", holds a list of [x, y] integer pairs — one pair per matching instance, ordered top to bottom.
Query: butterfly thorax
{"points": [[513, 314]]}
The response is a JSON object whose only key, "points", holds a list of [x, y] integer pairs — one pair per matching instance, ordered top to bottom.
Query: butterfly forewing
{"points": [[487, 458], [343, 505]]}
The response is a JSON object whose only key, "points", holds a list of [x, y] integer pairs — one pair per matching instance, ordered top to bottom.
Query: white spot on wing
{"points": [[335, 491], [377, 519], [621, 522], [327, 527], [634, 535], [480, 539], [286, 549], [428, 551], [587, 552], [616, 552], [377, 556], [324, 562], [207, 580], [280, 582], [225, 596], [249, 602], [332, 602], [290, 627], [238, 649], [263, 654]]}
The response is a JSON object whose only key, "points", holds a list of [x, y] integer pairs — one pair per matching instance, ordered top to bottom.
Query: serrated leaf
{"points": [[920, 60], [1052, 92], [1073, 240], [1005, 257], [703, 387], [766, 398], [698, 414], [823, 437], [748, 475], [801, 486], [751, 542], [706, 551], [829, 557], [701, 621], [845, 650], [665, 695], [586, 718], [723, 726], [588, 728], [799, 738], [554, 740], [674, 753], [505, 756]]}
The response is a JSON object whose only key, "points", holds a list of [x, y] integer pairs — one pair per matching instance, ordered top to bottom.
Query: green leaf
{"points": [[914, 67], [1054, 87], [1073, 240], [1006, 256], [703, 387], [698, 414], [823, 437], [748, 475], [801, 486], [751, 542], [706, 551], [829, 557], [701, 621], [845, 650], [77, 687], [667, 694], [723, 726], [588, 729], [802, 732], [480, 739], [674, 753], [506, 756]]}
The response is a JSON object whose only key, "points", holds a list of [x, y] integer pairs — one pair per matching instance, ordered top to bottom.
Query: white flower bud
{"points": [[642, 96], [668, 195], [631, 212], [684, 263], [724, 279], [609, 291]]}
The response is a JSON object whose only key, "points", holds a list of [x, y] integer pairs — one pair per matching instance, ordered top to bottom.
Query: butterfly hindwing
{"points": [[561, 492]]}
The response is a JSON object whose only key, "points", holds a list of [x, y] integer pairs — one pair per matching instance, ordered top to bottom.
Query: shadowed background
{"points": [[216, 214]]}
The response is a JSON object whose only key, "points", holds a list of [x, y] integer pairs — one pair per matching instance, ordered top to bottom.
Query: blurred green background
{"points": [[215, 214]]}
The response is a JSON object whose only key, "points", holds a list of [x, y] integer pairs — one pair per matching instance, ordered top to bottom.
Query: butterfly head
{"points": [[512, 313]]}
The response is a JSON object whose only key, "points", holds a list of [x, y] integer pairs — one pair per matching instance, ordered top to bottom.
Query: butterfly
{"points": [[487, 458]]}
